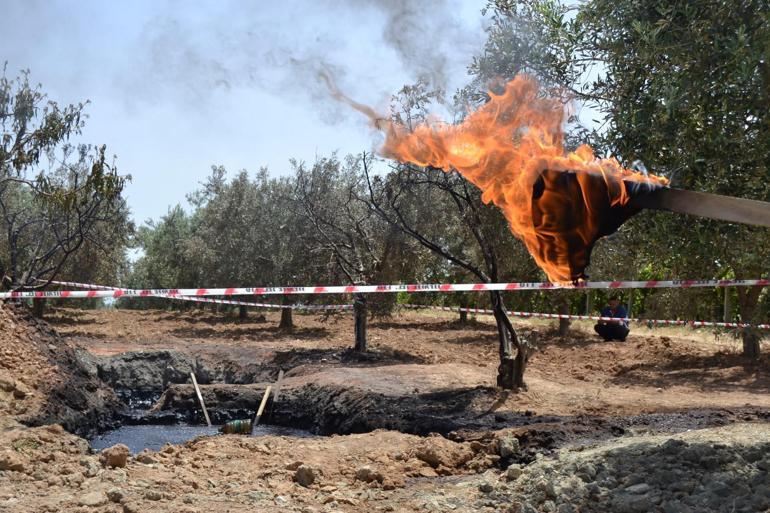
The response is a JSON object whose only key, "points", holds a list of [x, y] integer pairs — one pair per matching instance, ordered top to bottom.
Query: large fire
{"points": [[557, 202]]}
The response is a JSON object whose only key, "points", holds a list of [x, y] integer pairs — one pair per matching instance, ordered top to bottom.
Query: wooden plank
{"points": [[714, 206], [277, 387], [200, 398], [263, 403], [260, 409]]}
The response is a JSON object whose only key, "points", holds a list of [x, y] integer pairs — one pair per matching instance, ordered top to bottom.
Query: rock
{"points": [[20, 391], [508, 446], [115, 456], [146, 457], [10, 460], [293, 466], [91, 468], [427, 472], [513, 472], [587, 472], [304, 475], [368, 475], [486, 487], [638, 489], [115, 494], [153, 495], [93, 499], [341, 499], [632, 503], [131, 507]]}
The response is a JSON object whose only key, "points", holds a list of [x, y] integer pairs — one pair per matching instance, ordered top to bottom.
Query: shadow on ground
{"points": [[718, 372]]}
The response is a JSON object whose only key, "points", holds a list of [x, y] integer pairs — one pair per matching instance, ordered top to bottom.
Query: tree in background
{"points": [[683, 87], [55, 197], [247, 232], [357, 246]]}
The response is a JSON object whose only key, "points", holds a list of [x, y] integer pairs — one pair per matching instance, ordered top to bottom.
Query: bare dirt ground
{"points": [[654, 370], [661, 381]]}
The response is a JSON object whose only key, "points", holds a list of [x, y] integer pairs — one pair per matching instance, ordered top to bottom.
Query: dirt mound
{"points": [[43, 380], [721, 469]]}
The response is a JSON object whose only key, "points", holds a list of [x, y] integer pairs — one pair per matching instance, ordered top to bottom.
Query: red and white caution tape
{"points": [[366, 289], [209, 300], [664, 322]]}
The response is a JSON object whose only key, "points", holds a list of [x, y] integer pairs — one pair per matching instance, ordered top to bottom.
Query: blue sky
{"points": [[176, 87]]}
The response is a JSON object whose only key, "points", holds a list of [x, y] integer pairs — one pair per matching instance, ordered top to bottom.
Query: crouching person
{"points": [[617, 328]]}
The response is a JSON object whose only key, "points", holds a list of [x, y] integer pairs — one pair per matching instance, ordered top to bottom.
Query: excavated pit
{"points": [[161, 406]]}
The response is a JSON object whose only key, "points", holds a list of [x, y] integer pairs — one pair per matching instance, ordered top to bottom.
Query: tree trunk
{"points": [[748, 299], [630, 302], [589, 303], [463, 304], [38, 308], [359, 310], [243, 313], [727, 314], [287, 321], [564, 322], [751, 338], [510, 373]]}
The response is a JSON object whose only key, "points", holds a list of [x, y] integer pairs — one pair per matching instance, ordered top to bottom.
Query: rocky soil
{"points": [[723, 469]]}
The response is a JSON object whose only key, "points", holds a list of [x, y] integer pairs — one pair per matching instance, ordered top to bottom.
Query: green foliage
{"points": [[683, 87], [58, 201]]}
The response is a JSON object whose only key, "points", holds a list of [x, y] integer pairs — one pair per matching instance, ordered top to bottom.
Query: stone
{"points": [[20, 391], [508, 446], [115, 456], [146, 457], [10, 460], [294, 465], [91, 468], [427, 472], [513, 472], [587, 472], [367, 474], [305, 475], [486, 487], [638, 489], [115, 494], [153, 495], [93, 499], [632, 503], [131, 507]]}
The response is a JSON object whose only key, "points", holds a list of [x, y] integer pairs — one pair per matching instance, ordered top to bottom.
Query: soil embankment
{"points": [[44, 380]]}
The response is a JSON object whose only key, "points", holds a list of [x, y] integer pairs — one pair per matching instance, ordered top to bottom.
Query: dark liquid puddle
{"points": [[155, 436]]}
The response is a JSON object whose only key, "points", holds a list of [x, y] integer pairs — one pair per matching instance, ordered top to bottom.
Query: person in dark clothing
{"points": [[614, 329]]}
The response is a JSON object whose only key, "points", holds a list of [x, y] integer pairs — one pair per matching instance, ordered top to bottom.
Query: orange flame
{"points": [[558, 203]]}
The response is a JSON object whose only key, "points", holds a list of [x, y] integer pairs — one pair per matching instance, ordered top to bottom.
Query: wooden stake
{"points": [[277, 388], [200, 398], [263, 403], [261, 408]]}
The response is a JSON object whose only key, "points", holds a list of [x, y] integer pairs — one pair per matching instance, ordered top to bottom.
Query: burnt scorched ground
{"points": [[423, 428]]}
